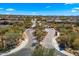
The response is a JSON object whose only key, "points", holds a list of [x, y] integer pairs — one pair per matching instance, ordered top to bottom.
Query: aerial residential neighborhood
{"points": [[39, 31]]}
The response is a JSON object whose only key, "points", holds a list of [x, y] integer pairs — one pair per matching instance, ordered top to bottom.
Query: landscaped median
{"points": [[21, 46], [57, 49]]}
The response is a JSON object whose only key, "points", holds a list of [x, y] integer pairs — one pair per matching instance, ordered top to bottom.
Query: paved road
{"points": [[47, 41], [50, 42], [27, 50]]}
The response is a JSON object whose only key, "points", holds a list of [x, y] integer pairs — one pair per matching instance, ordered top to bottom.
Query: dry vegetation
{"points": [[69, 36]]}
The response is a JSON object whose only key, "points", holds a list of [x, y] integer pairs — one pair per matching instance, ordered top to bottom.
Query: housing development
{"points": [[39, 29], [23, 35]]}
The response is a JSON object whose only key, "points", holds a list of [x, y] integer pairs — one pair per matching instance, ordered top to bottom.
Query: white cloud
{"points": [[68, 3], [48, 6], [1, 8], [77, 8], [10, 9], [74, 10], [7, 13], [33, 13]]}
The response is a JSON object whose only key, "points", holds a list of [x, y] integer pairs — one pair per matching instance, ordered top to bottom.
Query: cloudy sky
{"points": [[40, 8]]}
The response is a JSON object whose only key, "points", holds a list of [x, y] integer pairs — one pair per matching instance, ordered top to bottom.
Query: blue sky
{"points": [[40, 8]]}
